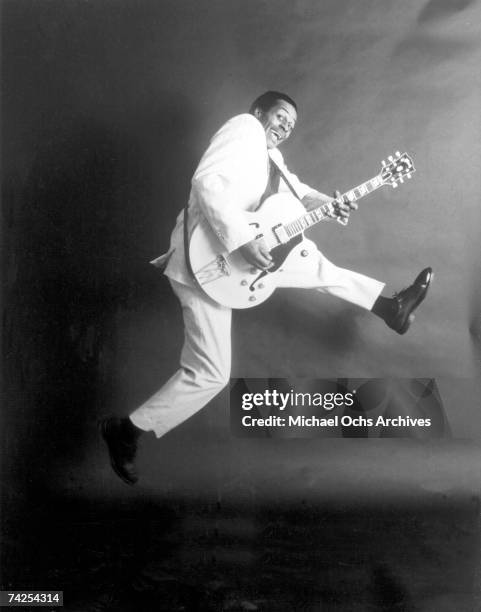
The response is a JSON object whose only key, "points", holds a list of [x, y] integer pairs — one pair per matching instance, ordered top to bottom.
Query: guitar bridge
{"points": [[215, 269]]}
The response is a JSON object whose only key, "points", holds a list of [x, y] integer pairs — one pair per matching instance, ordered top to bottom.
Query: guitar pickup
{"points": [[280, 233]]}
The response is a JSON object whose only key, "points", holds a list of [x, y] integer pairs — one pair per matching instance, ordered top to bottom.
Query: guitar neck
{"points": [[326, 211]]}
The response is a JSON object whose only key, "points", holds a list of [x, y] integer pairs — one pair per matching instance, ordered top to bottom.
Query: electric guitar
{"points": [[281, 221]]}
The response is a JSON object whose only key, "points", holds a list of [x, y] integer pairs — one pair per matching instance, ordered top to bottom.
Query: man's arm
{"points": [[222, 178], [312, 198], [342, 206], [255, 251]]}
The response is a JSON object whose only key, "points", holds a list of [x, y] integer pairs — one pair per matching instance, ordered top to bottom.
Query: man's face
{"points": [[278, 122]]}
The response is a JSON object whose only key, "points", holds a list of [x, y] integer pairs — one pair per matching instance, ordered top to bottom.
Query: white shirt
{"points": [[231, 178]]}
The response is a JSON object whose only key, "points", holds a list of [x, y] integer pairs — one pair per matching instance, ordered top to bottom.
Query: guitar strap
{"points": [[275, 174], [284, 178], [186, 244]]}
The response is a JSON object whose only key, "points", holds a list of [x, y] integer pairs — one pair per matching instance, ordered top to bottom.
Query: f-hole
{"points": [[258, 278]]}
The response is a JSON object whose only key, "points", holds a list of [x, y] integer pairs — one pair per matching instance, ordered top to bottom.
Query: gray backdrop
{"points": [[106, 108]]}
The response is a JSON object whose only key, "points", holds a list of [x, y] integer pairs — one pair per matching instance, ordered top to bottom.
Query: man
{"points": [[240, 168]]}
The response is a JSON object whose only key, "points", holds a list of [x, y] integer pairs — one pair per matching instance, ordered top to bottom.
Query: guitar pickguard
{"points": [[279, 255]]}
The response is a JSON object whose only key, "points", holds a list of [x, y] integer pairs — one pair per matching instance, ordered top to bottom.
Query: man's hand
{"points": [[343, 206], [255, 252]]}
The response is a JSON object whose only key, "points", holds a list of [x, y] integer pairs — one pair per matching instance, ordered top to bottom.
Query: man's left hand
{"points": [[343, 206]]}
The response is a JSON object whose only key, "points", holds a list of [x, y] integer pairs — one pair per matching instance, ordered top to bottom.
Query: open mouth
{"points": [[276, 137]]}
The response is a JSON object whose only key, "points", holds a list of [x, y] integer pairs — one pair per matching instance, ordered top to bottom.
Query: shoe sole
{"points": [[425, 292], [407, 324], [103, 432]]}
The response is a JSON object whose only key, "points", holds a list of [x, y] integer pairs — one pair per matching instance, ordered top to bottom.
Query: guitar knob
{"points": [[304, 253], [244, 283], [261, 285], [252, 299]]}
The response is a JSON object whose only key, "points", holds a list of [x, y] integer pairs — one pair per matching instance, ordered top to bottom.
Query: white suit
{"points": [[231, 177]]}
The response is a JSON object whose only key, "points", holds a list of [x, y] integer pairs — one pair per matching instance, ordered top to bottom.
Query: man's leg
{"points": [[309, 268], [205, 364], [204, 371]]}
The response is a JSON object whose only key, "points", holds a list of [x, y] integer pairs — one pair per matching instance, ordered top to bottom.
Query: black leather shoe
{"points": [[408, 300], [122, 448]]}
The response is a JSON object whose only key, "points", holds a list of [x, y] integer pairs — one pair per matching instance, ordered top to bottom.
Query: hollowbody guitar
{"points": [[281, 221]]}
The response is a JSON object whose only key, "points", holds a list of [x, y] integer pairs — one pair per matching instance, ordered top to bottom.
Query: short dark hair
{"points": [[268, 99]]}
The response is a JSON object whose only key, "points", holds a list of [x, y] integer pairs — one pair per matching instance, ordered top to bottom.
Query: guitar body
{"points": [[227, 277]]}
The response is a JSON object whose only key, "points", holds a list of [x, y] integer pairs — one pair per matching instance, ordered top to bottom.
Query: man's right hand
{"points": [[256, 253]]}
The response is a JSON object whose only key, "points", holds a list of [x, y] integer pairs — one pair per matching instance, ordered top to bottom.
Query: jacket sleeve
{"points": [[220, 183], [300, 188]]}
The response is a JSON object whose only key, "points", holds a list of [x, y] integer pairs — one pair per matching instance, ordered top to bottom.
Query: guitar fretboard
{"points": [[326, 211]]}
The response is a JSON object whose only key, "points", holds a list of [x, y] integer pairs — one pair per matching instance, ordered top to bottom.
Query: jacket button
{"points": [[304, 253]]}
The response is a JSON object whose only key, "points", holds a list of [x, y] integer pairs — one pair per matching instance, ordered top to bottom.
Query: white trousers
{"points": [[205, 360]]}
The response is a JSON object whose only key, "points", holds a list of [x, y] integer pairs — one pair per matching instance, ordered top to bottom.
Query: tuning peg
{"points": [[398, 154], [391, 158], [383, 164], [408, 175], [401, 180], [394, 184]]}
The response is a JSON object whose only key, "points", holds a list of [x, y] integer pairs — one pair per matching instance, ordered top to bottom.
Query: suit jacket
{"points": [[231, 177]]}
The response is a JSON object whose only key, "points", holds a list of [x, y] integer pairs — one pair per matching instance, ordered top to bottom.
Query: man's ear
{"points": [[258, 113]]}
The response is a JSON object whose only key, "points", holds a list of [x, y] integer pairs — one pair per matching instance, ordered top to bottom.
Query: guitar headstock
{"points": [[396, 169]]}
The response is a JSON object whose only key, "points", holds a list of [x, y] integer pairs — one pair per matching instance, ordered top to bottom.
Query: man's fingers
{"points": [[349, 202], [343, 204], [347, 207], [265, 253], [263, 257]]}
